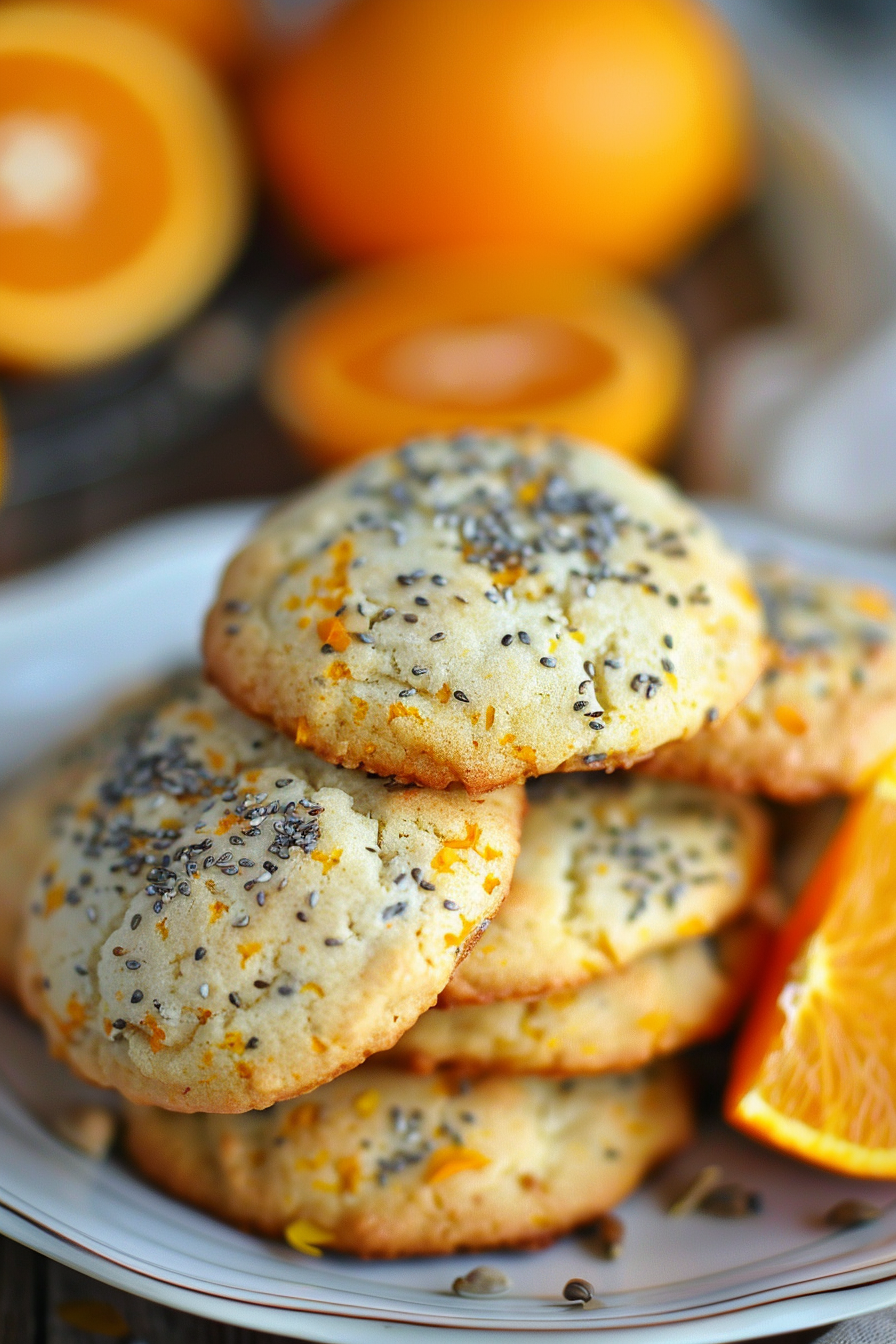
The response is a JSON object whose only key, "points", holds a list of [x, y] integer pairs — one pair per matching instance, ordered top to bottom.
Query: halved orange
{"points": [[221, 33], [123, 189], [440, 343], [814, 1072]]}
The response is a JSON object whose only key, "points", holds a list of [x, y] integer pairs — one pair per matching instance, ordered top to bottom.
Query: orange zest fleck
{"points": [[330, 591], [331, 631], [402, 711], [201, 717], [791, 720], [303, 732], [445, 860], [326, 861], [490, 883], [54, 898], [247, 950], [76, 1015], [155, 1032], [365, 1103], [302, 1117], [447, 1162], [348, 1169]]}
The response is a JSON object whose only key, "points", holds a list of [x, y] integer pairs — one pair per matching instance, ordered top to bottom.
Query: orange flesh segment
{"points": [[84, 179], [510, 362], [815, 1070]]}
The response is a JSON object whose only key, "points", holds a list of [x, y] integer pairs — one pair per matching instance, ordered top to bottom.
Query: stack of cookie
{"points": [[248, 891]]}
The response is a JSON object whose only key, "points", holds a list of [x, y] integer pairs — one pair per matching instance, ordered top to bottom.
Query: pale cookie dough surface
{"points": [[485, 608], [823, 714], [35, 803], [610, 869], [226, 921], [661, 1003], [380, 1163]]}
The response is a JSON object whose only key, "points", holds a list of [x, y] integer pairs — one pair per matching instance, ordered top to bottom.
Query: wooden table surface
{"points": [[725, 289]]}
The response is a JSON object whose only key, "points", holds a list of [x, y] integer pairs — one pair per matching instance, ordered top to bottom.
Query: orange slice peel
{"points": [[814, 1072]]}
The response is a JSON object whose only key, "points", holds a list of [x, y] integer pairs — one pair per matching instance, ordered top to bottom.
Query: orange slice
{"points": [[123, 192], [444, 342], [815, 1070]]}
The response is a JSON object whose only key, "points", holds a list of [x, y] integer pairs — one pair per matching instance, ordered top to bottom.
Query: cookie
{"points": [[484, 608], [823, 714], [34, 803], [609, 870], [226, 921], [661, 1003], [380, 1163]]}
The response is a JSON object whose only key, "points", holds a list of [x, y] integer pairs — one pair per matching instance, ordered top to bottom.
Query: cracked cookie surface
{"points": [[486, 608], [822, 716], [35, 802], [610, 869], [225, 920], [381, 1163]]}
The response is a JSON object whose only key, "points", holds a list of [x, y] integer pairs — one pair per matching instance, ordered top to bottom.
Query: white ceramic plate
{"points": [[132, 606]]}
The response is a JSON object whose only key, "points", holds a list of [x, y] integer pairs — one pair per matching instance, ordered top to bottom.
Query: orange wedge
{"points": [[123, 187], [814, 1072]]}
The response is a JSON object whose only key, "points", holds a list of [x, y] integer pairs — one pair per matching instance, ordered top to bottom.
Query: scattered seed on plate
{"points": [[731, 1200], [852, 1213], [483, 1281], [578, 1290]]}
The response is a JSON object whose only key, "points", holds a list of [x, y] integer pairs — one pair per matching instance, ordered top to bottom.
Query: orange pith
{"points": [[106, 177], [815, 1070]]}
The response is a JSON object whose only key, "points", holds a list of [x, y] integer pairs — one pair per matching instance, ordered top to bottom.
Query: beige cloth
{"points": [[878, 1328]]}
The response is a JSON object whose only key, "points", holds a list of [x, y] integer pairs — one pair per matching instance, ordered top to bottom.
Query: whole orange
{"points": [[617, 129]]}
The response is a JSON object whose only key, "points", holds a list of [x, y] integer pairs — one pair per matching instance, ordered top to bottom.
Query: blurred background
{"points": [[245, 241]]}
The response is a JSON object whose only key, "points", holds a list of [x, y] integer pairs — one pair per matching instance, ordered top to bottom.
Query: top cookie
{"points": [[484, 608], [823, 715], [225, 920]]}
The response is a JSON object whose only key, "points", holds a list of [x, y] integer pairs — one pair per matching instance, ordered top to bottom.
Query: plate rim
{"points": [[805, 1311]]}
